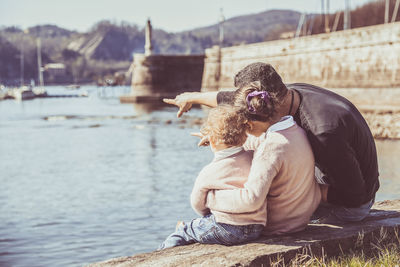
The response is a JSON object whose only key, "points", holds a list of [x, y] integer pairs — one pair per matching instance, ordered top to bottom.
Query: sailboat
{"points": [[40, 91], [23, 92], [26, 92]]}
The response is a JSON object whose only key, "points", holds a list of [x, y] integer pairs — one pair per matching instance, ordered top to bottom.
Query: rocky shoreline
{"points": [[383, 124]]}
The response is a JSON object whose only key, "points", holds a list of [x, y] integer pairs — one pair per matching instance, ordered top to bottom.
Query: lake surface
{"points": [[87, 179]]}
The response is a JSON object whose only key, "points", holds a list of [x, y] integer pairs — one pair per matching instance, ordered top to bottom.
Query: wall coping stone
{"points": [[316, 239]]}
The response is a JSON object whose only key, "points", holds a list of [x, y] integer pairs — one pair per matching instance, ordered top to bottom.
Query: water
{"points": [[87, 179]]}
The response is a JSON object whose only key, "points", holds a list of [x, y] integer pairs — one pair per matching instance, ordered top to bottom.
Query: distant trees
{"points": [[68, 54], [10, 58], [9, 67]]}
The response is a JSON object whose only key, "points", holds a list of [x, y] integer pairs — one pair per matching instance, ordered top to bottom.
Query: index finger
{"points": [[169, 101], [197, 135], [204, 141]]}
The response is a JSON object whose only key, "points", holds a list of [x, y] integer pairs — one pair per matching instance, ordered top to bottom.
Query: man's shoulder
{"points": [[311, 90], [311, 93], [321, 109]]}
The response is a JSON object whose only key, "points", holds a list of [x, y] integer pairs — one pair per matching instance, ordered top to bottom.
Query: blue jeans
{"points": [[329, 213], [206, 230]]}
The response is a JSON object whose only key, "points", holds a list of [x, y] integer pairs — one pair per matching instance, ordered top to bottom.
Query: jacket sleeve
{"points": [[226, 97], [252, 142], [338, 161], [265, 166], [199, 195]]}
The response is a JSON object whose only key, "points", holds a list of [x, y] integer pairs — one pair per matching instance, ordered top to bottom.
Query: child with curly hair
{"points": [[226, 131]]}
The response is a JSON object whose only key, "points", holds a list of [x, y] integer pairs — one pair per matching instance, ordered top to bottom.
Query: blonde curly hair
{"points": [[227, 125]]}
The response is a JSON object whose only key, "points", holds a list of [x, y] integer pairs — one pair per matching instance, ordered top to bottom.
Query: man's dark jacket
{"points": [[341, 140]]}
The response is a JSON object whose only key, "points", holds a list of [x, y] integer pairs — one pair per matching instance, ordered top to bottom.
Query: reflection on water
{"points": [[145, 108], [87, 179]]}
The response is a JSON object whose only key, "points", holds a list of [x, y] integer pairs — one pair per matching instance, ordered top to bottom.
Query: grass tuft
{"points": [[383, 250]]}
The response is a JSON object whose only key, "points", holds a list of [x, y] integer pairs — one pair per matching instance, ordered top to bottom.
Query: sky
{"points": [[169, 15]]}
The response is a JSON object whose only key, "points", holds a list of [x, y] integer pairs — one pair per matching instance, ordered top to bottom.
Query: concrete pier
{"points": [[157, 76], [379, 227]]}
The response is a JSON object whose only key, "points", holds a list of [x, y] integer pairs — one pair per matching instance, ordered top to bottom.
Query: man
{"points": [[342, 143]]}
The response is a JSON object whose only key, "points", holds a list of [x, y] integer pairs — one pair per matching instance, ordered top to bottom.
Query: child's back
{"points": [[226, 130], [226, 171]]}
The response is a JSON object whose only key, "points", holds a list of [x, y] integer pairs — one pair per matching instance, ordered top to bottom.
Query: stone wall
{"points": [[357, 58], [158, 76], [379, 228]]}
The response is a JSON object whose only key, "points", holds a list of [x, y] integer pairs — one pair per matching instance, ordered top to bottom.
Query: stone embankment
{"points": [[362, 57], [357, 58], [158, 76], [380, 108], [383, 124], [381, 226]]}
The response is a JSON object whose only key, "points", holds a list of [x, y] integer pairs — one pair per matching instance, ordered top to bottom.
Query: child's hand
{"points": [[204, 139]]}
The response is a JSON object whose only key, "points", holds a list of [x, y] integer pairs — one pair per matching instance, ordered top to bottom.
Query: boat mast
{"points": [[39, 60], [22, 64]]}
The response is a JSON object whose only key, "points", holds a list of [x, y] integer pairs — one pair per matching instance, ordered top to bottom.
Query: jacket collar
{"points": [[284, 123], [227, 152]]}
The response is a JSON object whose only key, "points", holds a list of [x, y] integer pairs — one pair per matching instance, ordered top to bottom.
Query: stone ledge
{"points": [[317, 238]]}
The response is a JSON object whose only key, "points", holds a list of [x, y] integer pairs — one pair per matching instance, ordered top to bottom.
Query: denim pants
{"points": [[329, 213], [206, 230]]}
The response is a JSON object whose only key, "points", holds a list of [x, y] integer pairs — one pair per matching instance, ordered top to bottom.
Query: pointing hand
{"points": [[182, 101], [204, 139]]}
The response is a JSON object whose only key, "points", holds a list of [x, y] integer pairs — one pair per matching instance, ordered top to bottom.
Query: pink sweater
{"points": [[227, 172], [281, 182]]}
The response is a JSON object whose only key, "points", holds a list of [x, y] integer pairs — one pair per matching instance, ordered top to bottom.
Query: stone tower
{"points": [[148, 47]]}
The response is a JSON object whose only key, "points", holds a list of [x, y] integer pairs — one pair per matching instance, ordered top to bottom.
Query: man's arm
{"points": [[211, 99], [185, 101], [264, 168], [347, 186]]}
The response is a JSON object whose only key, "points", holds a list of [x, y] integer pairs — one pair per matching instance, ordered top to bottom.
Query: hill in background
{"points": [[108, 47]]}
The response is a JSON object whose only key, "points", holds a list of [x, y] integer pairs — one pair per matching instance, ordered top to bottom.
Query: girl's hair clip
{"points": [[264, 96]]}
